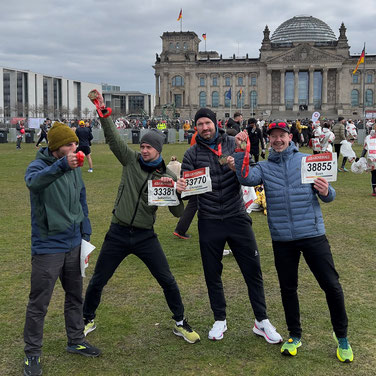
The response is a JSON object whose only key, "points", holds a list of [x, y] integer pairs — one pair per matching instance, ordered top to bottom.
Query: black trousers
{"points": [[42, 137], [255, 153], [373, 180], [187, 217], [237, 231], [120, 241], [318, 256], [46, 269]]}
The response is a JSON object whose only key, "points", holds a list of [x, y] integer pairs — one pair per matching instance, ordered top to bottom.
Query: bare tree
{"points": [[40, 110], [64, 112], [76, 112], [86, 112]]}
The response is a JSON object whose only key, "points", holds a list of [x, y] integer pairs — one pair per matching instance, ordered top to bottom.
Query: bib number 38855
{"points": [[319, 165]]}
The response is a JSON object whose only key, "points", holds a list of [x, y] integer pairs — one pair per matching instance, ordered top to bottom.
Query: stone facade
{"points": [[287, 79]]}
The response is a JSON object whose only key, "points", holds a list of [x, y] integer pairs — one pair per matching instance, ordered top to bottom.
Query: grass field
{"points": [[134, 328]]}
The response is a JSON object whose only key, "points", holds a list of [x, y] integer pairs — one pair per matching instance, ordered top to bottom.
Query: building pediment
{"points": [[305, 53]]}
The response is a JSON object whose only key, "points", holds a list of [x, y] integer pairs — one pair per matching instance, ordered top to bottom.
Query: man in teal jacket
{"points": [[59, 221], [296, 226], [131, 230]]}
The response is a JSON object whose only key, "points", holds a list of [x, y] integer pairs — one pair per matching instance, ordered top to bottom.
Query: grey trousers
{"points": [[46, 269]]}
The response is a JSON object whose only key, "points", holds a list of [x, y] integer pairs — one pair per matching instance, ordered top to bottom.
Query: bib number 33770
{"points": [[319, 165], [198, 181], [162, 194]]}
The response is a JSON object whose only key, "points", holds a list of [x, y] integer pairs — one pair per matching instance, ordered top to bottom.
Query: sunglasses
{"points": [[279, 125]]}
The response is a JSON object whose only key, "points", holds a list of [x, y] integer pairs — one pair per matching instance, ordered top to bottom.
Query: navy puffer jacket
{"points": [[226, 199], [293, 208]]}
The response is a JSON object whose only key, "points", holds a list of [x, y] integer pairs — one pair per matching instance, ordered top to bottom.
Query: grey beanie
{"points": [[153, 138]]}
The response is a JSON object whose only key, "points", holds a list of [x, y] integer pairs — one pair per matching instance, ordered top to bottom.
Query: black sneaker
{"points": [[84, 349], [32, 366]]}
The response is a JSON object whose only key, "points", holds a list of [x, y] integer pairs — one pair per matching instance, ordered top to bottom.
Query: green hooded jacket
{"points": [[131, 204]]}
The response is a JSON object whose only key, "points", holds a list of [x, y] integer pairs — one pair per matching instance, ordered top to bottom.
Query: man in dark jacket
{"points": [[233, 126], [43, 133], [85, 136], [256, 139], [222, 218], [59, 221], [296, 226], [131, 230]]}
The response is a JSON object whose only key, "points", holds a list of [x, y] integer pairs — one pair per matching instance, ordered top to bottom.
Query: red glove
{"points": [[96, 97], [80, 158]]}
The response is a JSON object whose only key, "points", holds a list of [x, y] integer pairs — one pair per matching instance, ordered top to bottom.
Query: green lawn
{"points": [[134, 328]]}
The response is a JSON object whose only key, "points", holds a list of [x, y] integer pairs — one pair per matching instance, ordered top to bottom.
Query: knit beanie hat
{"points": [[206, 112], [60, 135], [153, 138]]}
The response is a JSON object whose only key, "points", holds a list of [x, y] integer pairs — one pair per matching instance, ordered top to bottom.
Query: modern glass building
{"points": [[28, 94]]}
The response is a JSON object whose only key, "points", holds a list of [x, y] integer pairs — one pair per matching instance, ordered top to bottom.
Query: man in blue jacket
{"points": [[59, 221], [296, 225]]}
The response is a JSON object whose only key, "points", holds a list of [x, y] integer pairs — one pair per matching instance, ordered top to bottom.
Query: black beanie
{"points": [[205, 112], [153, 138]]}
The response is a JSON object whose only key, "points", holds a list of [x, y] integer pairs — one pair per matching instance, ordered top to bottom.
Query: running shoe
{"points": [[89, 326], [265, 329], [184, 330], [216, 332], [290, 347], [84, 349], [344, 350], [32, 366]]}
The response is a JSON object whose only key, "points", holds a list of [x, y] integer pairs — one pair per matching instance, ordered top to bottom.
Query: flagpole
{"points": [[181, 24], [364, 86]]}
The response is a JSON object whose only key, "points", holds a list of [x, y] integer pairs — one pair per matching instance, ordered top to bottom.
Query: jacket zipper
{"points": [[138, 200]]}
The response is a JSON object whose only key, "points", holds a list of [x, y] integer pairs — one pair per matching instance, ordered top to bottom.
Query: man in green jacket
{"points": [[59, 222], [131, 230]]}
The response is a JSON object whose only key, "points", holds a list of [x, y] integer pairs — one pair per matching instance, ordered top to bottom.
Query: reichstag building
{"points": [[302, 67]]}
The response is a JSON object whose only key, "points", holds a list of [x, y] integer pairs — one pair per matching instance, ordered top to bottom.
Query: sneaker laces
{"points": [[186, 326], [294, 340], [343, 343]]}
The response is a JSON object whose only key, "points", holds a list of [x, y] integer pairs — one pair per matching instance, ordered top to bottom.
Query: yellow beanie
{"points": [[60, 135]]}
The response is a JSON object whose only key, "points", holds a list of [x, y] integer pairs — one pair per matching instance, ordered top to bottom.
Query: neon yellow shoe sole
{"points": [[290, 347]]}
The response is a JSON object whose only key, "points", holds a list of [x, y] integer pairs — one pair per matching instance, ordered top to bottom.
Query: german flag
{"points": [[180, 15], [204, 36], [360, 61]]}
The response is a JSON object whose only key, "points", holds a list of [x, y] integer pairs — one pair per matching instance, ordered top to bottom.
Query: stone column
{"points": [[269, 87], [324, 88], [296, 90], [310, 91], [221, 92], [246, 93], [186, 95], [208, 95], [157, 100], [282, 106]]}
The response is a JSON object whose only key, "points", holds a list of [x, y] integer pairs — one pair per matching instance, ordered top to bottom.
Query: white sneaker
{"points": [[90, 170], [226, 252], [265, 329], [216, 332]]}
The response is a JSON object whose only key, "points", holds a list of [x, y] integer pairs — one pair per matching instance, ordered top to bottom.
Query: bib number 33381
{"points": [[162, 194]]}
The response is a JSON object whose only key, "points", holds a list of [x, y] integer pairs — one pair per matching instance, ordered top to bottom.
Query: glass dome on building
{"points": [[303, 29]]}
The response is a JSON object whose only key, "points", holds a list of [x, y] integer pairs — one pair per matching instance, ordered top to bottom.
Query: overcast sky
{"points": [[115, 41]]}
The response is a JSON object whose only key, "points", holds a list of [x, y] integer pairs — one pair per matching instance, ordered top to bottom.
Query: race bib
{"points": [[371, 146], [319, 165], [198, 181], [162, 194]]}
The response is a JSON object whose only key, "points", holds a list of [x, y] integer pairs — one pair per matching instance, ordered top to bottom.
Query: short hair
{"points": [[236, 114], [340, 118], [252, 121]]}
